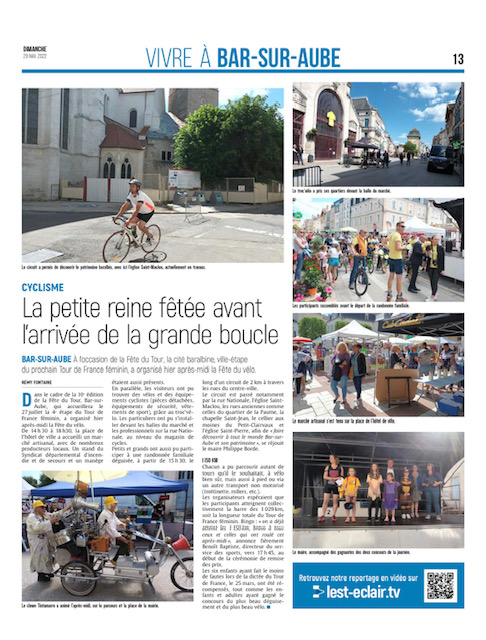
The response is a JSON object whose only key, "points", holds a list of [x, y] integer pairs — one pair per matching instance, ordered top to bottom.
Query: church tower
{"points": [[182, 102]]}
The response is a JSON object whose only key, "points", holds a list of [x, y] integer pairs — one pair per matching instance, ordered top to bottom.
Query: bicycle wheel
{"points": [[150, 245], [116, 247], [371, 266], [384, 266], [361, 282], [77, 578], [183, 578]]}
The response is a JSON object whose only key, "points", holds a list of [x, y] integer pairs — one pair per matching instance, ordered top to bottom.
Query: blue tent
{"points": [[134, 483]]}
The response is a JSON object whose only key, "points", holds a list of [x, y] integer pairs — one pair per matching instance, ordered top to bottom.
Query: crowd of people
{"points": [[409, 256], [447, 360], [349, 363], [388, 493]]}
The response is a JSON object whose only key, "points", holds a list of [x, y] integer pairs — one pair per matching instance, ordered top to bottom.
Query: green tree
{"points": [[253, 133], [242, 140], [199, 144], [410, 146], [339, 324], [312, 328], [31, 480], [44, 480]]}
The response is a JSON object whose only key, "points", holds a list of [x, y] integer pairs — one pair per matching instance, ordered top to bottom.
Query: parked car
{"points": [[441, 158]]}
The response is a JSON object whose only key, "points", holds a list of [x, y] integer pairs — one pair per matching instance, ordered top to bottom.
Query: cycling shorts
{"points": [[145, 217]]}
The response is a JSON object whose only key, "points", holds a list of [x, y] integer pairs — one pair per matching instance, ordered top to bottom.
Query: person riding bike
{"points": [[144, 209]]}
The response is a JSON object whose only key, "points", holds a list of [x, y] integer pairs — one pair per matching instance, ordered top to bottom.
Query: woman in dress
{"points": [[375, 481], [390, 497]]}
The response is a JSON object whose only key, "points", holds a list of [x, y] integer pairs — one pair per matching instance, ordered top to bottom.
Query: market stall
{"points": [[426, 327], [352, 332]]}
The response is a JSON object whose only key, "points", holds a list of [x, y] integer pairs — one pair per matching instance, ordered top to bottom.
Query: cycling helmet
{"points": [[136, 182]]}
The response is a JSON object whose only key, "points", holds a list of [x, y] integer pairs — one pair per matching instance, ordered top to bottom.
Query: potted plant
{"points": [[311, 134], [312, 278], [300, 291], [324, 291]]}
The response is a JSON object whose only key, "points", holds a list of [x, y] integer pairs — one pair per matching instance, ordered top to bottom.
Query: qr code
{"points": [[440, 585]]}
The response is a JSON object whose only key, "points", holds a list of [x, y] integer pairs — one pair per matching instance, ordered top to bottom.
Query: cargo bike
{"points": [[84, 557]]}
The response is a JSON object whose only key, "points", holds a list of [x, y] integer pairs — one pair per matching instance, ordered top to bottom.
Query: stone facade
{"points": [[310, 113], [65, 134]]}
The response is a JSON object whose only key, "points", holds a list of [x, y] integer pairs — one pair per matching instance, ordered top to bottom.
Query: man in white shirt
{"points": [[143, 208], [108, 523]]}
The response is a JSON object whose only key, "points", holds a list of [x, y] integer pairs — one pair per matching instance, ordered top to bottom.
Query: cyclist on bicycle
{"points": [[144, 209], [359, 249]]}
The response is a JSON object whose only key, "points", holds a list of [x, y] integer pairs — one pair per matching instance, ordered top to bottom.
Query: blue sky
{"points": [[273, 95], [409, 105], [310, 207]]}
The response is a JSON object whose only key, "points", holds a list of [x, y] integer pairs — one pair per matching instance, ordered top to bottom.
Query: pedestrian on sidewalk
{"points": [[401, 156], [409, 157], [386, 159], [300, 244], [334, 254], [417, 258], [395, 262], [435, 266], [358, 363], [341, 364], [299, 368]]}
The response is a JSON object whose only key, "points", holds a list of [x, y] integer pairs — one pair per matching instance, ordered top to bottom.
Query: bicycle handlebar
{"points": [[123, 218]]}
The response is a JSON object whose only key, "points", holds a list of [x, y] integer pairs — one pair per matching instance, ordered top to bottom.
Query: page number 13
{"points": [[458, 58]]}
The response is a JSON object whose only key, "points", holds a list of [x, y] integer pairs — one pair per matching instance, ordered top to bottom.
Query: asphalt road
{"points": [[397, 175], [79, 230], [448, 291]]}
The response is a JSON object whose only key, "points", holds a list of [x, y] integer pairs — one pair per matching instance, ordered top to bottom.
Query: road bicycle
{"points": [[118, 245]]}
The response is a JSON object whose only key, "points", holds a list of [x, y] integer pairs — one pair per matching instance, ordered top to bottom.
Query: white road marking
{"points": [[247, 230]]}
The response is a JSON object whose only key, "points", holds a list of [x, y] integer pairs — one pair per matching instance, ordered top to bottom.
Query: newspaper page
{"points": [[241, 276]]}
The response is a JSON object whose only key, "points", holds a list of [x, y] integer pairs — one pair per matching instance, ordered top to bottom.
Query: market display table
{"points": [[438, 383]]}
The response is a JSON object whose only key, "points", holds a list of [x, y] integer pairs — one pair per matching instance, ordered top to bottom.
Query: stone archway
{"points": [[329, 125]]}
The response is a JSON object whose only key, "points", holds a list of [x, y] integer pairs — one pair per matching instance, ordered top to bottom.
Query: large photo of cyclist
{"points": [[189, 175]]}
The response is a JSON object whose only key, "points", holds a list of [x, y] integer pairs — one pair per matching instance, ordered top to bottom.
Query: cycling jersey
{"points": [[147, 204]]}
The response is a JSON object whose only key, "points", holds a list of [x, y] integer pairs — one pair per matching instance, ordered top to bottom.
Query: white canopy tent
{"points": [[415, 225], [353, 330], [398, 341], [26, 489]]}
